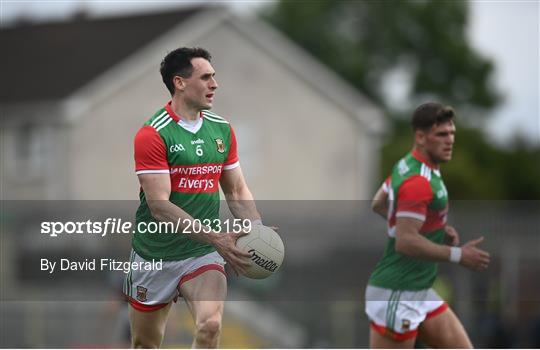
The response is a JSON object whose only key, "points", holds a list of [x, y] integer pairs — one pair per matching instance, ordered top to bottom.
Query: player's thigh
{"points": [[205, 295], [148, 327], [444, 331], [379, 341]]}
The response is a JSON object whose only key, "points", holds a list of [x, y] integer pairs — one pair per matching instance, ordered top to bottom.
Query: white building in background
{"points": [[75, 93]]}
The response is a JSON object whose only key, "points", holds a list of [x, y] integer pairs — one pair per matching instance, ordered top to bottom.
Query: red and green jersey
{"points": [[194, 156], [416, 190]]}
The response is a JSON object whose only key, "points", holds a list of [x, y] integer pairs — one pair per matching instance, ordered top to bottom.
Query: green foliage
{"points": [[364, 40]]}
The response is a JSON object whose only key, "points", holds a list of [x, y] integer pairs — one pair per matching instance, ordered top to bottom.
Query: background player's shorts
{"points": [[149, 290], [397, 314]]}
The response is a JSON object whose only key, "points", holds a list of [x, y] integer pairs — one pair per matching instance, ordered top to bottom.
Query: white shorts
{"points": [[149, 290], [397, 314]]}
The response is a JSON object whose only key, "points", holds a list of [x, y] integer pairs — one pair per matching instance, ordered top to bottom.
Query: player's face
{"points": [[200, 87], [439, 142]]}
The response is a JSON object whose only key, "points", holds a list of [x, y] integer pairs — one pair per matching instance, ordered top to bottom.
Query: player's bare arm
{"points": [[157, 189], [238, 195], [379, 203], [453, 234], [410, 242]]}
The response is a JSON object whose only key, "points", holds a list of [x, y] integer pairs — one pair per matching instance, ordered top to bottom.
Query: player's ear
{"points": [[179, 83], [420, 137]]}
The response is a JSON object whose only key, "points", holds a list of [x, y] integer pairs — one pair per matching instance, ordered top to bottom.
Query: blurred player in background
{"points": [[182, 153], [400, 302]]}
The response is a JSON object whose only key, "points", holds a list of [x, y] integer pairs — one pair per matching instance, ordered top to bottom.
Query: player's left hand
{"points": [[453, 234]]}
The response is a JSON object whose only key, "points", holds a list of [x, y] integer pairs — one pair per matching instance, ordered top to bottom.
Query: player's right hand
{"points": [[225, 244], [474, 258]]}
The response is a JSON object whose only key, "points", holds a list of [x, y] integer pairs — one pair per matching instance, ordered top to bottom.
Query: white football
{"points": [[266, 249]]}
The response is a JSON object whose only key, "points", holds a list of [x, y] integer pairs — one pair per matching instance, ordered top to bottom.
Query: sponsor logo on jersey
{"points": [[198, 142], [220, 145], [176, 148], [197, 169], [200, 178], [196, 185], [141, 293]]}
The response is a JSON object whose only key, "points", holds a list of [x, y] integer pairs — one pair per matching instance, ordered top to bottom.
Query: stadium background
{"points": [[335, 135]]}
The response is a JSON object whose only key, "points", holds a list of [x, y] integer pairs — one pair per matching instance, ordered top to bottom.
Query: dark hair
{"points": [[178, 62], [429, 114]]}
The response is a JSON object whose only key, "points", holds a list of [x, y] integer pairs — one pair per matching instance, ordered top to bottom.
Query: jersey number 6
{"points": [[198, 150]]}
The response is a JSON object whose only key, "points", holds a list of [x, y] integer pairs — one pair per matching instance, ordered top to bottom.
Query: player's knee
{"points": [[208, 330], [140, 341]]}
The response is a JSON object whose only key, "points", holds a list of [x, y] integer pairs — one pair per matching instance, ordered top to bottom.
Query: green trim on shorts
{"points": [[129, 282], [391, 309]]}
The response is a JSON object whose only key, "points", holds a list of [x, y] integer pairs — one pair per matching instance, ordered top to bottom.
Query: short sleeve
{"points": [[150, 152], [232, 158], [413, 198]]}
